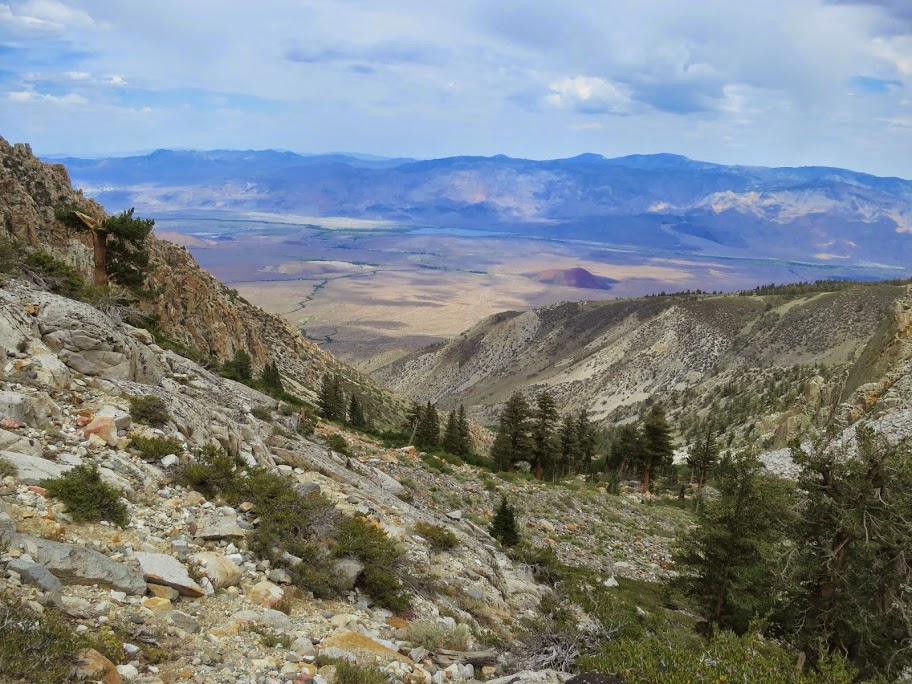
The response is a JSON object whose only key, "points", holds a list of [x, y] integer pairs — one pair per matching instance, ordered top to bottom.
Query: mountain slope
{"points": [[653, 202], [193, 308], [779, 362]]}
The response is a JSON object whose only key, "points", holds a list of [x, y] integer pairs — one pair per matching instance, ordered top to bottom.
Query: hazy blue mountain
{"points": [[650, 201]]}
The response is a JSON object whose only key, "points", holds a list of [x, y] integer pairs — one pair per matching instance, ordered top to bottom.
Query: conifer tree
{"points": [[118, 245], [239, 367], [271, 377], [332, 397], [356, 412], [465, 432], [427, 436], [585, 437], [451, 438], [512, 442], [544, 447], [656, 450], [570, 451], [704, 453], [504, 527], [731, 552], [851, 572]]}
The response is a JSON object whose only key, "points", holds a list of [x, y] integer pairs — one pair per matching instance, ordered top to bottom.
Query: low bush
{"points": [[10, 254], [58, 276], [149, 409], [262, 412], [338, 443], [156, 448], [7, 469], [211, 474], [87, 496], [291, 523], [440, 538], [361, 539], [434, 635], [36, 649], [727, 658], [350, 673]]}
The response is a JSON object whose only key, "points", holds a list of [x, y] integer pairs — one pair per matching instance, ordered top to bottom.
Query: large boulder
{"points": [[92, 343], [28, 409], [10, 441], [31, 470], [73, 564], [160, 568], [220, 570]]}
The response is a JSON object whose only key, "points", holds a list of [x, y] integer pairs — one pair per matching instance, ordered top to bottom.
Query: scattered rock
{"points": [[73, 564], [160, 568], [221, 571], [266, 594], [90, 664]]}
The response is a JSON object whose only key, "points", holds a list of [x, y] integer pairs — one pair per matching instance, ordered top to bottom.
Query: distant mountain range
{"points": [[657, 202]]}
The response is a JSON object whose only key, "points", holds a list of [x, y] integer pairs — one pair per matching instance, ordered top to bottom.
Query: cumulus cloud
{"points": [[717, 80], [589, 95], [22, 96]]}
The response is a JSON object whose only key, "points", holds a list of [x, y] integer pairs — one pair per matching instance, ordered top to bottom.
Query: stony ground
{"points": [[177, 593]]}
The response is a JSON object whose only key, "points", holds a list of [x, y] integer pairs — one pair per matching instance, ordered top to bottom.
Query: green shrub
{"points": [[10, 254], [58, 276], [149, 409], [262, 412], [307, 422], [338, 443], [156, 448], [7, 469], [211, 474], [87, 497], [504, 527], [440, 538], [361, 539], [433, 635], [36, 649], [727, 658], [350, 673]]}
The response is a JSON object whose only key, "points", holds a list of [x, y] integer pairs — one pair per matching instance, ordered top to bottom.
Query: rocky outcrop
{"points": [[192, 307], [73, 564]]}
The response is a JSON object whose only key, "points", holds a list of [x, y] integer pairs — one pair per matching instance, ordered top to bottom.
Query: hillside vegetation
{"points": [[766, 364]]}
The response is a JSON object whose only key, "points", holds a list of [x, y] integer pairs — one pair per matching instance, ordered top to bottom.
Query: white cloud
{"points": [[590, 95], [29, 96]]}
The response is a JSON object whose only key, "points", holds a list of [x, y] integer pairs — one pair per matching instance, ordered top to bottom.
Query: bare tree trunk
{"points": [[646, 476]]}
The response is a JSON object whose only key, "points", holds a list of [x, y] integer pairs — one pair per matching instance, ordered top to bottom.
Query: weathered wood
{"points": [[444, 657]]}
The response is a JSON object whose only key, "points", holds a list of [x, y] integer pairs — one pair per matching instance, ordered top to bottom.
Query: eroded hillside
{"points": [[191, 306], [775, 363]]}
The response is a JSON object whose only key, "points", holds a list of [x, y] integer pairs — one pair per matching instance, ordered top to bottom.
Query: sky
{"points": [[775, 83]]}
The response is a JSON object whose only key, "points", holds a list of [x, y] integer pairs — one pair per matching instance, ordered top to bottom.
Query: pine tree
{"points": [[119, 245], [239, 367], [271, 377], [332, 397], [356, 412], [465, 432], [428, 434], [585, 437], [451, 441], [512, 442], [544, 448], [570, 451], [656, 451], [704, 454], [504, 527], [730, 554], [851, 572]]}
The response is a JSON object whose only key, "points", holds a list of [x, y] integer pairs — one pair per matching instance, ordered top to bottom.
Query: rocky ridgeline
{"points": [[191, 306], [180, 578]]}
